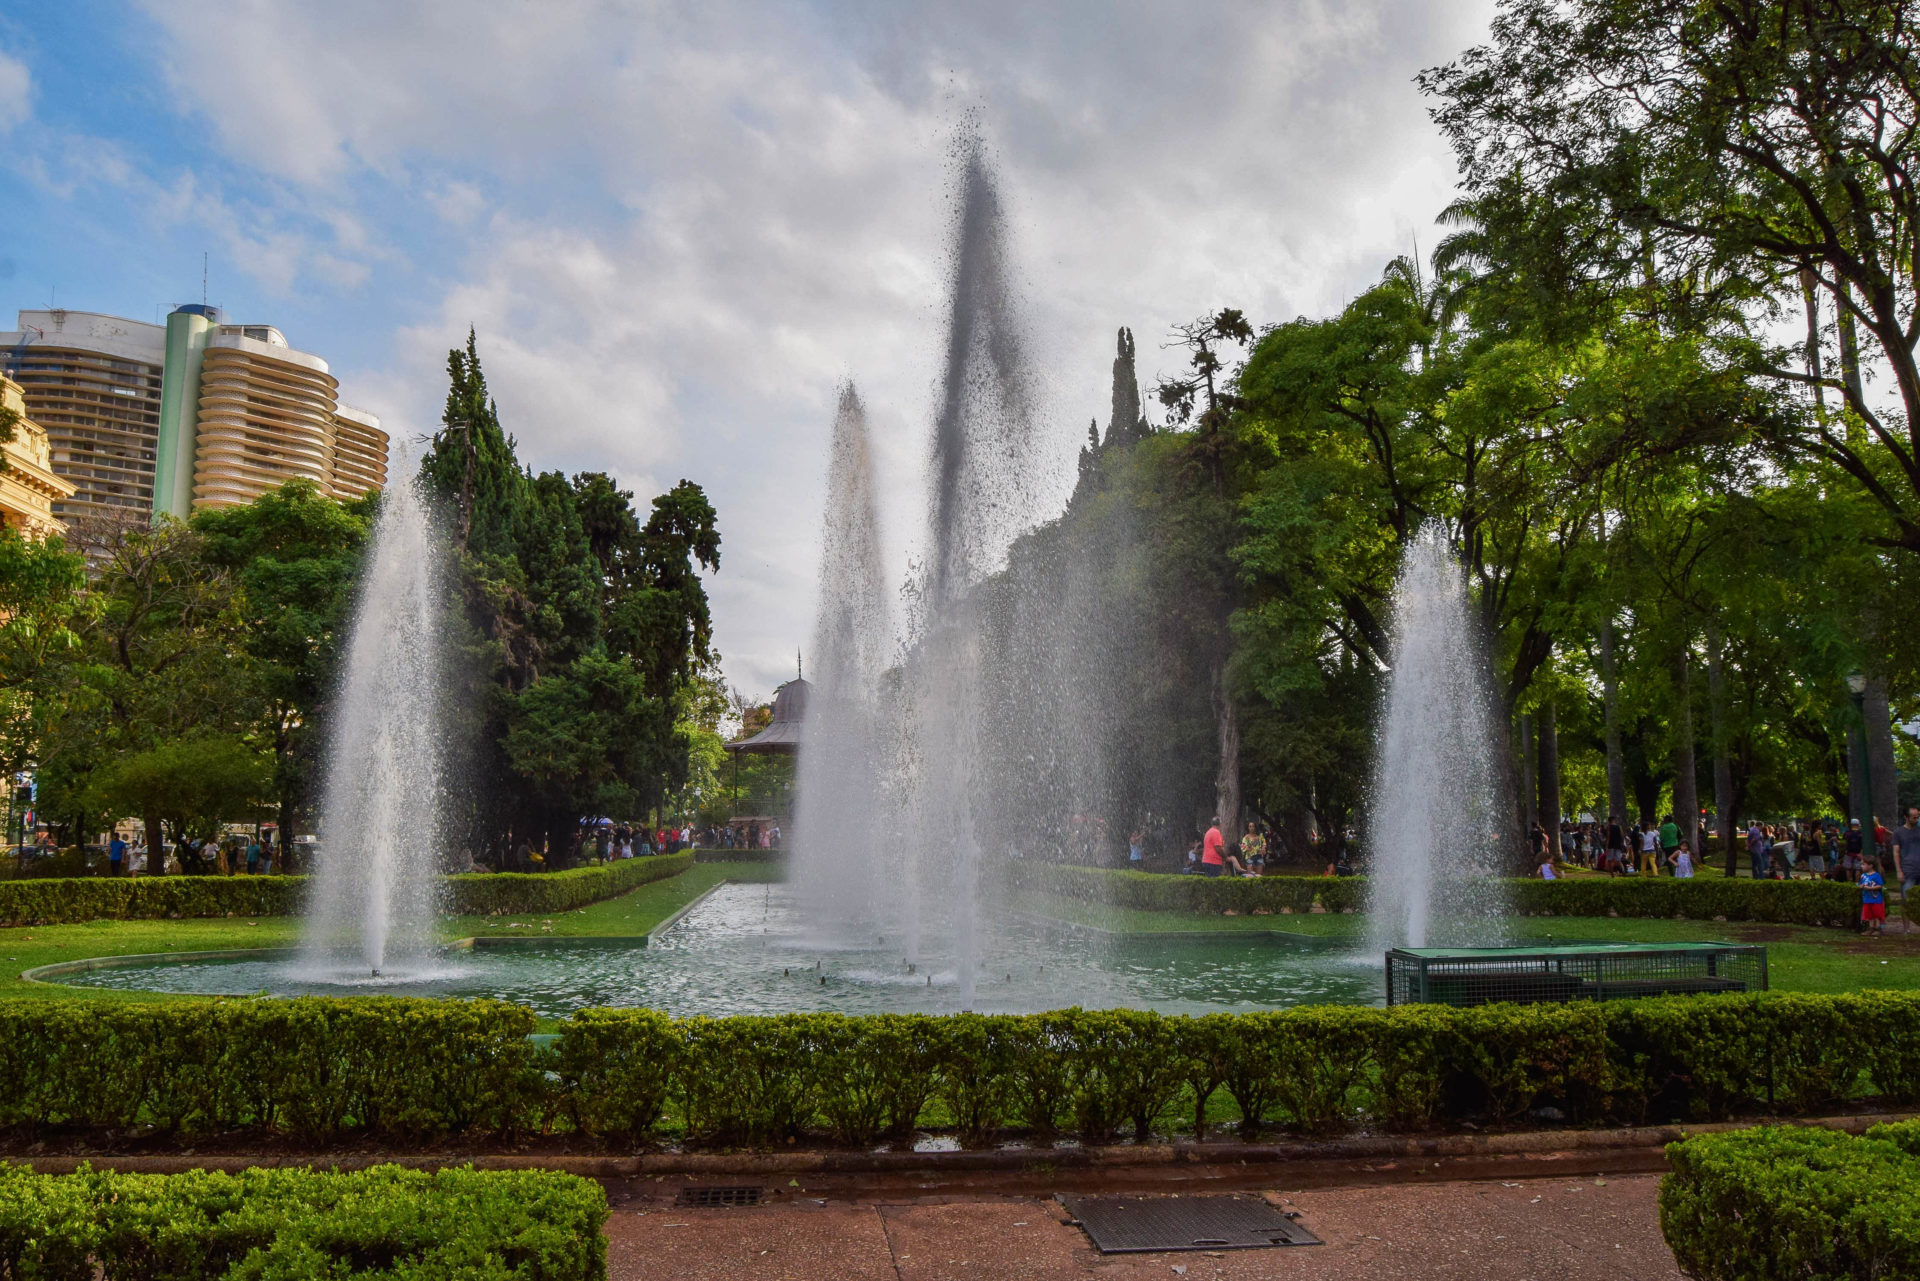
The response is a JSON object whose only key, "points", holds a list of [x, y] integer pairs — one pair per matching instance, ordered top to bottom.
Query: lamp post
{"points": [[1863, 795]]}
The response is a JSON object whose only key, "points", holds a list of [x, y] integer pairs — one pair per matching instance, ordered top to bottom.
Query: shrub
{"points": [[1699, 898], [56, 901], [408, 1069], [397, 1070], [1785, 1202], [283, 1224]]}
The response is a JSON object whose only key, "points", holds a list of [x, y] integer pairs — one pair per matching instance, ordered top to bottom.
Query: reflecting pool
{"points": [[745, 950]]}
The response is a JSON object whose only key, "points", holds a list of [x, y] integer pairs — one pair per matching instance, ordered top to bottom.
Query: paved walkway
{"points": [[1583, 1229]]}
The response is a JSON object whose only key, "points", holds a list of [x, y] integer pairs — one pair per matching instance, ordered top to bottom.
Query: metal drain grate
{"points": [[711, 1198], [1141, 1225]]}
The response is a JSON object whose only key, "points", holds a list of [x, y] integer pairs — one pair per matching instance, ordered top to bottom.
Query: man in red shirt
{"points": [[1213, 851]]}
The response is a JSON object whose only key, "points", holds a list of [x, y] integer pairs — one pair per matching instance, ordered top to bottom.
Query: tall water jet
{"points": [[982, 482], [1433, 819], [838, 852], [373, 888]]}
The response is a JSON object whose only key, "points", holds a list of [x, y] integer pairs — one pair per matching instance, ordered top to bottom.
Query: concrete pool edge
{"points": [[1289, 1163]]}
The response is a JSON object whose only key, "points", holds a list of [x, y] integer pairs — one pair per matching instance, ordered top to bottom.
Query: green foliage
{"points": [[296, 555], [583, 630], [194, 785], [1699, 898], [53, 901], [407, 1070], [412, 1071], [1784, 1202], [283, 1224]]}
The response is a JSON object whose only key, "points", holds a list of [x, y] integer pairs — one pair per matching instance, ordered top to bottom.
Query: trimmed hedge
{"points": [[1164, 892], [1699, 898], [61, 901], [415, 1070], [1788, 1202], [295, 1224]]}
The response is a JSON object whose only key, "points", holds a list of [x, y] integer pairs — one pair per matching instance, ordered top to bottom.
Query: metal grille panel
{"points": [[1599, 972], [713, 1198], [1165, 1224]]}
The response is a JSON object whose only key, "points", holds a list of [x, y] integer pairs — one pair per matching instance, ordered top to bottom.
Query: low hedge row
{"points": [[1162, 892], [514, 893], [1700, 898], [58, 901], [397, 1069], [1788, 1203], [296, 1225]]}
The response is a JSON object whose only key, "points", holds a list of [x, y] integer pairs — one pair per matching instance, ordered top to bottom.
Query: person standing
{"points": [[1669, 838], [1856, 845], [1136, 848], [1253, 848], [1906, 848], [1649, 849], [1756, 850], [1213, 851], [116, 854], [1616, 856], [253, 857], [1682, 861]]}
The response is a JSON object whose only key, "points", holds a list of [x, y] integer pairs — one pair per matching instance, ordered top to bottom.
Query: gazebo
{"points": [[781, 737]]}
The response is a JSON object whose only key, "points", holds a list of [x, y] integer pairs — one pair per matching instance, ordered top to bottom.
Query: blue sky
{"points": [[677, 227]]}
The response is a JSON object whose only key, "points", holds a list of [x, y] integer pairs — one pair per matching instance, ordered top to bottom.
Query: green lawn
{"points": [[634, 913], [1799, 958]]}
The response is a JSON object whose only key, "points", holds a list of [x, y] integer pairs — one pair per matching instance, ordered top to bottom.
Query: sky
{"points": [[677, 228]]}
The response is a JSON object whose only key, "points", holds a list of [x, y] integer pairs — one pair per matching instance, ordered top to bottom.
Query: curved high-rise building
{"points": [[266, 416], [359, 453]]}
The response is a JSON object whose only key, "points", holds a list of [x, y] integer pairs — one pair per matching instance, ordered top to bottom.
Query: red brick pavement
{"points": [[1567, 1229]]}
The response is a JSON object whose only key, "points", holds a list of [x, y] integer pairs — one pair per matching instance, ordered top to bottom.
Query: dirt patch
{"points": [[1763, 933]]}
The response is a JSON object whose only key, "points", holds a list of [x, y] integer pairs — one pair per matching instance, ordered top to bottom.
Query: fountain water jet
{"points": [[982, 481], [1433, 820], [837, 851], [372, 903]]}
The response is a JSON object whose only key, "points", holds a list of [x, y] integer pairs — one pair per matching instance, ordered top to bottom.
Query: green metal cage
{"points": [[1571, 972]]}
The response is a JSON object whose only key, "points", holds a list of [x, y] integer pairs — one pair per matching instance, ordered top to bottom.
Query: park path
{"points": [[1567, 1229]]}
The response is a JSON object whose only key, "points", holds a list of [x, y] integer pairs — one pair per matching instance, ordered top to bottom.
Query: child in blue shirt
{"points": [[1873, 900]]}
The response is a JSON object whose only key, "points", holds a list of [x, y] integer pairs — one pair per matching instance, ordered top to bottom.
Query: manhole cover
{"points": [[708, 1198], [1138, 1224]]}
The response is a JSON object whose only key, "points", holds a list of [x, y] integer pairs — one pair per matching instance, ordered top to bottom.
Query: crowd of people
{"points": [[1797, 849]]}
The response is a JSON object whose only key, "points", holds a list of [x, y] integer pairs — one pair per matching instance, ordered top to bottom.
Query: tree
{"points": [[1732, 163], [1199, 399], [296, 555], [43, 611], [580, 629], [163, 661], [193, 785]]}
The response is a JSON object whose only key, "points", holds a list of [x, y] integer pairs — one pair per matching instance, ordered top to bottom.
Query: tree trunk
{"points": [[1610, 692], [1881, 768], [1226, 784], [1686, 787], [1549, 788], [1723, 800], [1529, 812], [156, 847]]}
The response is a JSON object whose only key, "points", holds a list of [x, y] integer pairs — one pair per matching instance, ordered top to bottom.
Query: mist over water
{"points": [[1433, 818], [372, 894]]}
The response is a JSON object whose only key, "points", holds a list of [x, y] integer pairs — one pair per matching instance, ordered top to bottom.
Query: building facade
{"points": [[92, 383], [198, 413], [29, 489]]}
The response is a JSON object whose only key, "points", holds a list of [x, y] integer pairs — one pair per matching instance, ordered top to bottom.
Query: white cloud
{"points": [[16, 92], [677, 226]]}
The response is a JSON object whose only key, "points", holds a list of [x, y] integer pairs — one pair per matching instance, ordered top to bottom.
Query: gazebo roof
{"points": [[782, 737]]}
